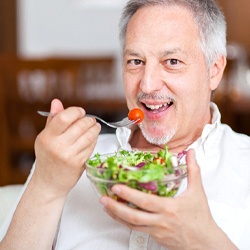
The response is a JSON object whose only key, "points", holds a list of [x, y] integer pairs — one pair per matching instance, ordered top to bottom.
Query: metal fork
{"points": [[123, 123]]}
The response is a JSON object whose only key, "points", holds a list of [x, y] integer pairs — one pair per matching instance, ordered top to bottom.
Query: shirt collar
{"points": [[209, 129], [124, 134]]}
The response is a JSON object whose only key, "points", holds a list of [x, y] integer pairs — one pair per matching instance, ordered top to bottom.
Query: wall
{"points": [[65, 27], [68, 27]]}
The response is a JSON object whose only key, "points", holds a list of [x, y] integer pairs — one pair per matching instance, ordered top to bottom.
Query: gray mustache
{"points": [[142, 96]]}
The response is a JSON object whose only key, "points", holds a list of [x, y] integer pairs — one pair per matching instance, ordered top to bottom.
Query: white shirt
{"points": [[224, 159]]}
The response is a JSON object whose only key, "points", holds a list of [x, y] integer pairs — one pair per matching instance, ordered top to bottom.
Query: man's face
{"points": [[165, 74]]}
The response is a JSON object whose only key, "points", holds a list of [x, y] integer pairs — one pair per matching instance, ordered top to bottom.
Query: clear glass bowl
{"points": [[151, 181]]}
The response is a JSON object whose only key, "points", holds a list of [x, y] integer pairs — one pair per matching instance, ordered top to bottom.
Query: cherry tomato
{"points": [[135, 114], [159, 160]]}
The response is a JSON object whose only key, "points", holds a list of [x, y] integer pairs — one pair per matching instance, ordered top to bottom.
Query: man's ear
{"points": [[216, 72]]}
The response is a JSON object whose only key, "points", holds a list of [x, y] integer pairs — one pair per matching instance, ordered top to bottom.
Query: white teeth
{"points": [[154, 107]]}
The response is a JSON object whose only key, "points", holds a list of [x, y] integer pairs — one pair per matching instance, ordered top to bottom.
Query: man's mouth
{"points": [[158, 107]]}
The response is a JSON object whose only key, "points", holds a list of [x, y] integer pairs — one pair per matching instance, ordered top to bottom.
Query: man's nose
{"points": [[151, 79]]}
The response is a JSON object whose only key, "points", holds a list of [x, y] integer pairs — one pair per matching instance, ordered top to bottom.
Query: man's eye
{"points": [[135, 62], [172, 62]]}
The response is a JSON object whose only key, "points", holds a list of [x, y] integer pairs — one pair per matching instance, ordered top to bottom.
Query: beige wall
{"points": [[237, 14]]}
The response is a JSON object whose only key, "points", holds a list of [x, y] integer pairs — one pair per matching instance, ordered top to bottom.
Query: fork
{"points": [[123, 123]]}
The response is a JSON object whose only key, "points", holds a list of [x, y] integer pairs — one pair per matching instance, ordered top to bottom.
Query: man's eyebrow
{"points": [[173, 51], [131, 53], [164, 53]]}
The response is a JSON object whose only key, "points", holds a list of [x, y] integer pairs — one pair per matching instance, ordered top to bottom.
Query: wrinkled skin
{"points": [[163, 62]]}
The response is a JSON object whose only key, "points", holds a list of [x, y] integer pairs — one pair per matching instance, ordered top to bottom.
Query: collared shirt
{"points": [[224, 159]]}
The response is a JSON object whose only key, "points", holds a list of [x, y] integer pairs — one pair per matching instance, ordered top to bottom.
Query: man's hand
{"points": [[63, 147], [61, 150], [184, 222]]}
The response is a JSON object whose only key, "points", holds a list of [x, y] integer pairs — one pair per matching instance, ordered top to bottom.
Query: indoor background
{"points": [[69, 49]]}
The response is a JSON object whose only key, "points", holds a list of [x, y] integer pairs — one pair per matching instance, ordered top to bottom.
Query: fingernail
{"points": [[83, 111], [98, 125], [116, 190], [103, 201]]}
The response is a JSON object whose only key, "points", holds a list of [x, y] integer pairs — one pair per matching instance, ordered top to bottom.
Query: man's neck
{"points": [[139, 142]]}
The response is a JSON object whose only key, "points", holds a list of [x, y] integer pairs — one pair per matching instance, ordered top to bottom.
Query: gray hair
{"points": [[207, 14]]}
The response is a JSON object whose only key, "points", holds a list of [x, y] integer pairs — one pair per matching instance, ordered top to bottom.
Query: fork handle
{"points": [[46, 114]]}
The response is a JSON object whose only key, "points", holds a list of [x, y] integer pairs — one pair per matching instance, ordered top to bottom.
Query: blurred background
{"points": [[69, 49]]}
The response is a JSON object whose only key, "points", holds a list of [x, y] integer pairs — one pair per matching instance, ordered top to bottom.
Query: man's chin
{"points": [[157, 138]]}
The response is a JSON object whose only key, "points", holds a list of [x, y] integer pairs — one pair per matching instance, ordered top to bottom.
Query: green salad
{"points": [[156, 173]]}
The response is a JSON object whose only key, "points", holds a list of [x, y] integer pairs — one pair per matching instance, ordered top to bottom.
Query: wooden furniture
{"points": [[8, 26], [29, 85], [233, 101], [235, 111]]}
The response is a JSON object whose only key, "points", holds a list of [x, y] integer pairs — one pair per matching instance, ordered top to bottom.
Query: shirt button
{"points": [[140, 240]]}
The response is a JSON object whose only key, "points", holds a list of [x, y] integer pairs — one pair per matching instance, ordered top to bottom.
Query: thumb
{"points": [[56, 107], [193, 171]]}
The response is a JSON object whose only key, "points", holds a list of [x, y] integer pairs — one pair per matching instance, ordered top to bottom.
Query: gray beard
{"points": [[159, 140]]}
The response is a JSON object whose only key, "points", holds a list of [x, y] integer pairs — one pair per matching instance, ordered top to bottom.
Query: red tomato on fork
{"points": [[136, 114]]}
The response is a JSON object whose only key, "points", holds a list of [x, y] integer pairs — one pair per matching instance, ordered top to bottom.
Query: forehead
{"points": [[156, 25]]}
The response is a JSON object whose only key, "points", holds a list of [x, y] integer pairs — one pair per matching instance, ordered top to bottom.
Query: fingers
{"points": [[60, 122], [86, 127], [69, 131], [76, 143], [85, 143], [147, 202], [130, 216]]}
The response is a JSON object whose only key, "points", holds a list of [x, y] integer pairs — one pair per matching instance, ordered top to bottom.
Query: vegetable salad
{"points": [[156, 173]]}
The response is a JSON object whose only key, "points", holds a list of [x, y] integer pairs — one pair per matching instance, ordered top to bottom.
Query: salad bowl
{"points": [[159, 173]]}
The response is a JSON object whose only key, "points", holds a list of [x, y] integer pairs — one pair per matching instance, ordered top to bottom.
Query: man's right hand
{"points": [[63, 147]]}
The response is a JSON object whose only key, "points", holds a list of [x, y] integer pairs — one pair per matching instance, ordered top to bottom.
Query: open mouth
{"points": [[155, 108]]}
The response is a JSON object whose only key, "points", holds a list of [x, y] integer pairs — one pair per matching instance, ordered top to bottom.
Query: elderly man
{"points": [[174, 55]]}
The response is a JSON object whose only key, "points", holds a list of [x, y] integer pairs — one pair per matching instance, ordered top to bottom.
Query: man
{"points": [[174, 58]]}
